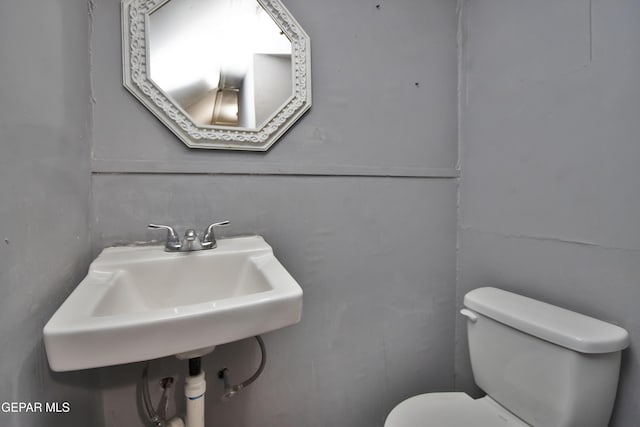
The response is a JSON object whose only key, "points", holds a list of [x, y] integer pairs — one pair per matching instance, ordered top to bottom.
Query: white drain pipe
{"points": [[194, 390]]}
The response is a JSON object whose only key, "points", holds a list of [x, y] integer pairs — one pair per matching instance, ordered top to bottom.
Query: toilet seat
{"points": [[451, 410]]}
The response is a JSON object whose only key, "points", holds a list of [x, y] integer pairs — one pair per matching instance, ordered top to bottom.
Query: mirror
{"points": [[226, 74]]}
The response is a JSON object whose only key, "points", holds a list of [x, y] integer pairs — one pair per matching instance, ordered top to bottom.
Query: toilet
{"points": [[539, 364]]}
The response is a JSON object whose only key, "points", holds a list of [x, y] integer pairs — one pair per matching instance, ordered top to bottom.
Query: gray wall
{"points": [[550, 103], [44, 189], [358, 200], [358, 203]]}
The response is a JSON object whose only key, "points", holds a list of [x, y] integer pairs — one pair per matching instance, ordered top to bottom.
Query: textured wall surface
{"points": [[549, 148], [358, 200], [44, 201]]}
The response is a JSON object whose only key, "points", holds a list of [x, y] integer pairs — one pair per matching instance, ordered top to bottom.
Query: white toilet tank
{"points": [[549, 366]]}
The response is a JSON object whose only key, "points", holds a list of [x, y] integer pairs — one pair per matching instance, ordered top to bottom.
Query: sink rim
{"points": [[75, 318]]}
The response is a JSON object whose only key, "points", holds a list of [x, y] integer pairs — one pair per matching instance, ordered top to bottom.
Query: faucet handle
{"points": [[209, 238], [173, 241]]}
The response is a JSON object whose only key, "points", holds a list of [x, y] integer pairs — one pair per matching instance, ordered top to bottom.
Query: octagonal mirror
{"points": [[221, 74]]}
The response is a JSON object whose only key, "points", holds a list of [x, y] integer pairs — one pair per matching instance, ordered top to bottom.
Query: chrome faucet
{"points": [[190, 241]]}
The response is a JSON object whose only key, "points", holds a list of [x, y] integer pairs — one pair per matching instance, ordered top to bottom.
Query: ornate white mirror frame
{"points": [[135, 53]]}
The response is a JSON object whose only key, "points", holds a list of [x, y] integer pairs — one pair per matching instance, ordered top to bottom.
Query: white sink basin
{"points": [[141, 303]]}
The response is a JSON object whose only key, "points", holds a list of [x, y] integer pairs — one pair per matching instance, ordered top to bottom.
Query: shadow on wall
{"points": [[628, 369]]}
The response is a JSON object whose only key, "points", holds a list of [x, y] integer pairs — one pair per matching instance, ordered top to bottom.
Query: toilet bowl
{"points": [[539, 364], [451, 410]]}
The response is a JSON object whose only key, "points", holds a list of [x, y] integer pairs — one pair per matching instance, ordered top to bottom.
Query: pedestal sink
{"points": [[141, 303]]}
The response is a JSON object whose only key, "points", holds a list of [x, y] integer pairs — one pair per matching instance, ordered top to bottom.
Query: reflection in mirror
{"points": [[223, 62], [220, 74]]}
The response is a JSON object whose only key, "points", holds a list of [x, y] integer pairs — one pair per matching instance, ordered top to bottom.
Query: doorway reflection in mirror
{"points": [[224, 62]]}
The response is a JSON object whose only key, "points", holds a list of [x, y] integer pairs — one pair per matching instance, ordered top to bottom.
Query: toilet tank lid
{"points": [[563, 327]]}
